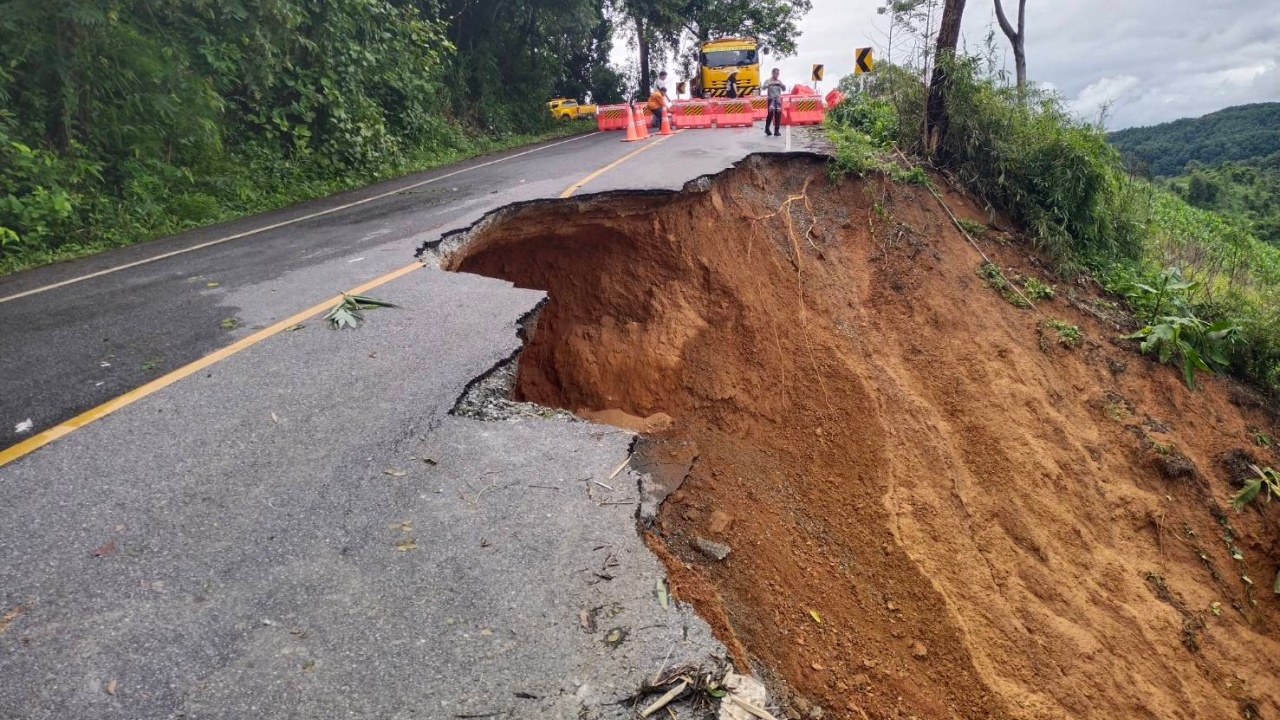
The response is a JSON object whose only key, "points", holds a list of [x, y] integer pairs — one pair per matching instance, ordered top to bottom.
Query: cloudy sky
{"points": [[1153, 60]]}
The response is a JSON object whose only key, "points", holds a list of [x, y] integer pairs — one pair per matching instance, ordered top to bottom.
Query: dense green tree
{"points": [[676, 23], [124, 118]]}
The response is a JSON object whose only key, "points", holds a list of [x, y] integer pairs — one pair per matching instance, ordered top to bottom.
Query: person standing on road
{"points": [[731, 85], [774, 88]]}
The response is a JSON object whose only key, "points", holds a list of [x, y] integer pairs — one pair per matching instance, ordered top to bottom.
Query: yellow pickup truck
{"points": [[569, 109]]}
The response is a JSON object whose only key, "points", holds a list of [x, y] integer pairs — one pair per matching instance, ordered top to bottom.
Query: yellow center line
{"points": [[578, 185], [67, 427]]}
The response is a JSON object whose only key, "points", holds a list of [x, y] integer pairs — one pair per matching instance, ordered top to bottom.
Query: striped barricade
{"points": [[759, 107], [802, 110], [735, 113], [691, 115], [612, 117]]}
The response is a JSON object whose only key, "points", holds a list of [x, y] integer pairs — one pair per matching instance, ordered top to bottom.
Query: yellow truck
{"points": [[722, 57], [569, 109]]}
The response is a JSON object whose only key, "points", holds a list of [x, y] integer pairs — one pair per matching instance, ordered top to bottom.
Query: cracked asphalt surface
{"points": [[266, 538]]}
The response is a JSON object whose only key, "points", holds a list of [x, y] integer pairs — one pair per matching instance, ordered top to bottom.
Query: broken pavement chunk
{"points": [[712, 549]]}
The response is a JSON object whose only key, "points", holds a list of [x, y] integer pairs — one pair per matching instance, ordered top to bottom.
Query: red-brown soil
{"points": [[987, 524]]}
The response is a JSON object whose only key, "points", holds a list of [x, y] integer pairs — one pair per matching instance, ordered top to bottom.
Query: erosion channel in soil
{"points": [[934, 509]]}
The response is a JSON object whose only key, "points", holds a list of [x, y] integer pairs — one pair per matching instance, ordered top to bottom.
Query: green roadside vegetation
{"points": [[126, 120], [194, 202], [1204, 287]]}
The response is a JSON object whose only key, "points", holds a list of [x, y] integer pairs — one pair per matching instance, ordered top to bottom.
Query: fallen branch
{"points": [[619, 469], [663, 701]]}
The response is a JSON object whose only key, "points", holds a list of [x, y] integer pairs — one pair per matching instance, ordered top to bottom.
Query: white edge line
{"points": [[785, 149], [285, 223]]}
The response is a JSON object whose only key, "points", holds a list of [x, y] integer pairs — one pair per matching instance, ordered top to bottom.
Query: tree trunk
{"points": [[1018, 39], [642, 41], [68, 92], [936, 112]]}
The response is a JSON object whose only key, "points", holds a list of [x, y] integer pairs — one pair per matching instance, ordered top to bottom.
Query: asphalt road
{"points": [[74, 347], [264, 536]]}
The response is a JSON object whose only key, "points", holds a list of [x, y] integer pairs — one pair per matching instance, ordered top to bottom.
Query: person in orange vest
{"points": [[657, 105]]}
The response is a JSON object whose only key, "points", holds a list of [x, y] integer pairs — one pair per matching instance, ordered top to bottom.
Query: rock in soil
{"points": [[711, 548]]}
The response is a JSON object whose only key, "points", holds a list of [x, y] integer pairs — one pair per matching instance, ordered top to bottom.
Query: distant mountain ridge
{"points": [[1235, 133]]}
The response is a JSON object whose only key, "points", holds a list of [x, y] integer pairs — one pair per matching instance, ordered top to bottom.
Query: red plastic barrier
{"points": [[802, 90], [834, 98], [759, 107], [802, 110], [735, 113], [691, 115], [612, 117]]}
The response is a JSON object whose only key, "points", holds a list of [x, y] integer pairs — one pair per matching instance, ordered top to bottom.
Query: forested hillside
{"points": [[1236, 133], [1246, 191]]}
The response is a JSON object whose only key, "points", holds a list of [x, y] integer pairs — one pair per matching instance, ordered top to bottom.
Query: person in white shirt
{"points": [[774, 88]]}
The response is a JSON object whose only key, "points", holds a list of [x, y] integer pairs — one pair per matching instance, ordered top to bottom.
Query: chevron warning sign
{"points": [[866, 62], [817, 73]]}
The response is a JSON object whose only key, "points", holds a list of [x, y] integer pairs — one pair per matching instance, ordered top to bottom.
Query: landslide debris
{"points": [[932, 513]]}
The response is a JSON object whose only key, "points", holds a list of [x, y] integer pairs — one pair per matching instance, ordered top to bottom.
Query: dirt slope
{"points": [[987, 525]]}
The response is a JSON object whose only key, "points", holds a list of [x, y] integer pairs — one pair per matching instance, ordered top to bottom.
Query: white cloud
{"points": [[1109, 92]]}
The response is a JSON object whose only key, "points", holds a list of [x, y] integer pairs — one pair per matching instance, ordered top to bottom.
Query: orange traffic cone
{"points": [[666, 122], [642, 123], [632, 136]]}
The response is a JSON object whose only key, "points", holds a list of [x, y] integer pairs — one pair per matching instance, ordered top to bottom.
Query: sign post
{"points": [[864, 63]]}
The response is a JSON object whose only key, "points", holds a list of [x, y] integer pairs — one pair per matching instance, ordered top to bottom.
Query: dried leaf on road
{"points": [[212, 284], [229, 323], [275, 418], [24, 426], [393, 472], [403, 526], [407, 545], [104, 549], [664, 598], [814, 614], [587, 620], [615, 637], [111, 686]]}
